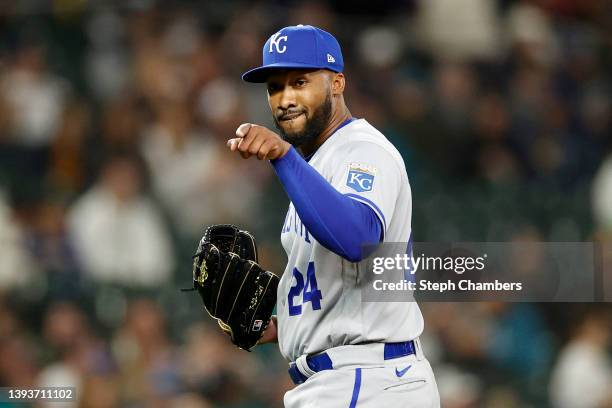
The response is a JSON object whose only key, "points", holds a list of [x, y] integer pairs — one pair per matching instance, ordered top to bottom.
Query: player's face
{"points": [[300, 101]]}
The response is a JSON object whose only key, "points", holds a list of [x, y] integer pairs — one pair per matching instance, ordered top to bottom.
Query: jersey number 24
{"points": [[309, 291]]}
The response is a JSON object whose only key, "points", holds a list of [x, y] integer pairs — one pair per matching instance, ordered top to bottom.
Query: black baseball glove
{"points": [[234, 288]]}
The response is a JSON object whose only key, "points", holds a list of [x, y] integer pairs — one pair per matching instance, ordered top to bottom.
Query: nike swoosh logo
{"points": [[400, 373]]}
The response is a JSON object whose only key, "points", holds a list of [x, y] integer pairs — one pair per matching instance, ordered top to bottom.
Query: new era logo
{"points": [[330, 58]]}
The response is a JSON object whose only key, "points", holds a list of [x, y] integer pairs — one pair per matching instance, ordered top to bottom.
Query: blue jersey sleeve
{"points": [[337, 222]]}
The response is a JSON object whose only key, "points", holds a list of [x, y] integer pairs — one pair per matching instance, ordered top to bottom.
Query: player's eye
{"points": [[300, 82], [273, 88]]}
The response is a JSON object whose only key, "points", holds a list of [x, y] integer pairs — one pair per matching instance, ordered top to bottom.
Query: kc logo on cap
{"points": [[275, 40]]}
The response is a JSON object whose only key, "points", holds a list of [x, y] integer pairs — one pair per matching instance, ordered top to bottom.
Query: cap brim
{"points": [[261, 74]]}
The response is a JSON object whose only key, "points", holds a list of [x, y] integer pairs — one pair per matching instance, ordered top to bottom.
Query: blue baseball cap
{"points": [[298, 47]]}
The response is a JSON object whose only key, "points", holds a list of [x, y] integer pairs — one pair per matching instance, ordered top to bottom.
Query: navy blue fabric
{"points": [[337, 222], [395, 350], [320, 363], [297, 377]]}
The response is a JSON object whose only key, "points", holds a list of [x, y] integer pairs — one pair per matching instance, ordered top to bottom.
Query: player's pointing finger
{"points": [[243, 129], [233, 143]]}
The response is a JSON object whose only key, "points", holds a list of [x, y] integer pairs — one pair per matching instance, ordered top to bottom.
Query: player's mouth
{"points": [[290, 116]]}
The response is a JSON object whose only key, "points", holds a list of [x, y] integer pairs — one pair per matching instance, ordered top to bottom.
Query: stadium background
{"points": [[113, 118]]}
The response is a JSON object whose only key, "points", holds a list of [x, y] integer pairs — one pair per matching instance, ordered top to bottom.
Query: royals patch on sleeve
{"points": [[360, 177]]}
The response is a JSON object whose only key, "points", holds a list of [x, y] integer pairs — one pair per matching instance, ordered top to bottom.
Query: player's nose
{"points": [[287, 99]]}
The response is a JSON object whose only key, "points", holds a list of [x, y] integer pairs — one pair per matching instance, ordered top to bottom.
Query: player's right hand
{"points": [[255, 140]]}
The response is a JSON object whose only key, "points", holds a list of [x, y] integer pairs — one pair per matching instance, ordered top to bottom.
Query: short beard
{"points": [[313, 127]]}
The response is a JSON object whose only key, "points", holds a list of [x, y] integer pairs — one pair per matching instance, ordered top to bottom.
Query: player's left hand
{"points": [[255, 140], [234, 288]]}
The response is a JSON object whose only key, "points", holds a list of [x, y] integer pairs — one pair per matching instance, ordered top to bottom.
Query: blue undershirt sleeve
{"points": [[335, 220]]}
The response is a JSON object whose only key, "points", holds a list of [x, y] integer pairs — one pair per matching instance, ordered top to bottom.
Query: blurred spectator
{"points": [[459, 30], [531, 33], [380, 47], [107, 61], [161, 64], [456, 91], [34, 95], [122, 119], [189, 164], [69, 165], [184, 166], [602, 195], [119, 233], [53, 250], [16, 266], [9, 321], [67, 336], [79, 359], [525, 362], [18, 365], [212, 366], [149, 371], [582, 377], [458, 389], [99, 391]]}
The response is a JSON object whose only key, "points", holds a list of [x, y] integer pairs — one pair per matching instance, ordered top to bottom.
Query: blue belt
{"points": [[322, 361]]}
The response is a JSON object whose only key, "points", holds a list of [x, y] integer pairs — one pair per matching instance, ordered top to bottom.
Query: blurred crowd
{"points": [[113, 122]]}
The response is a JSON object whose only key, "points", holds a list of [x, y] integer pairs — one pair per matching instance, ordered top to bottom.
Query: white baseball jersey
{"points": [[319, 296]]}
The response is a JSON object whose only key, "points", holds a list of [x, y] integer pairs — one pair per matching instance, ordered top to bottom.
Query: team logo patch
{"points": [[360, 177]]}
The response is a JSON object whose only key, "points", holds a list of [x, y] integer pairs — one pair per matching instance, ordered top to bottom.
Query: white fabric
{"points": [[37, 102], [602, 195], [124, 243], [16, 266], [582, 378], [402, 382]]}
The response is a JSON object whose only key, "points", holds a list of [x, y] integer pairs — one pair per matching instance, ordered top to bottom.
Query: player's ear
{"points": [[337, 83]]}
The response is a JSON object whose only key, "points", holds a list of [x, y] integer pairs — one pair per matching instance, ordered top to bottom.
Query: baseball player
{"points": [[348, 186]]}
